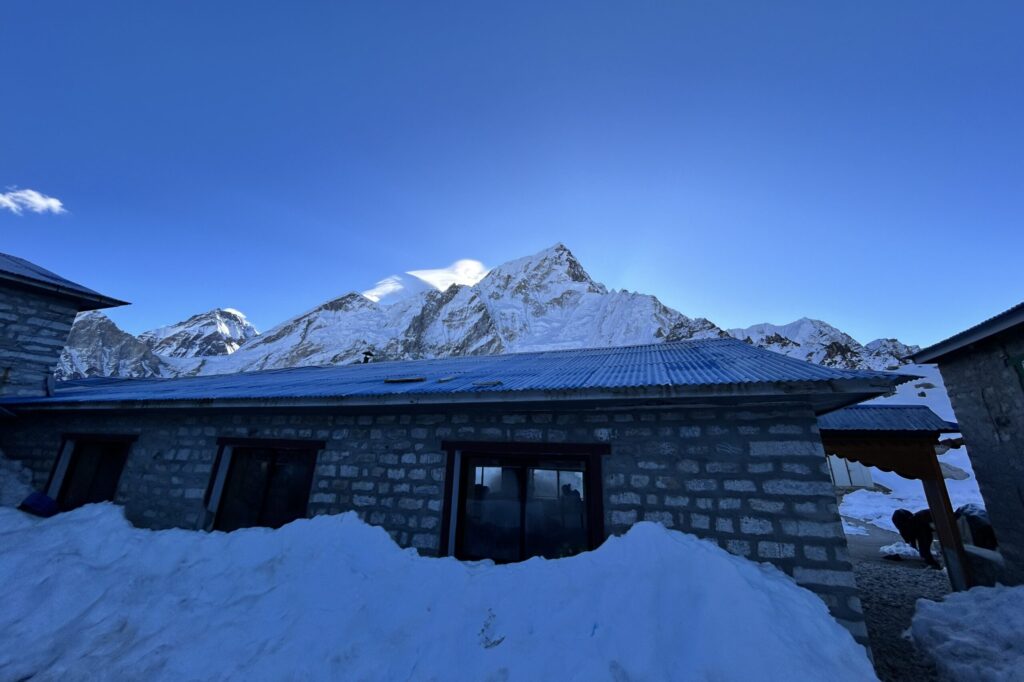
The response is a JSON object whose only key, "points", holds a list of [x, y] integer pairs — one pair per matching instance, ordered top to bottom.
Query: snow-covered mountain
{"points": [[544, 301], [216, 332], [821, 343], [98, 347]]}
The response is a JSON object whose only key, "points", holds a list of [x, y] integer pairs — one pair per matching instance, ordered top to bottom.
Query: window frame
{"points": [[522, 455], [221, 470], [56, 482]]}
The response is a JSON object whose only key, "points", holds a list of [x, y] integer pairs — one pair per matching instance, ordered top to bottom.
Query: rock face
{"points": [[541, 302], [217, 332], [98, 347]]}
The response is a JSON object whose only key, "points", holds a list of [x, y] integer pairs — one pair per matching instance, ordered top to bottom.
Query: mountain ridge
{"points": [[538, 302]]}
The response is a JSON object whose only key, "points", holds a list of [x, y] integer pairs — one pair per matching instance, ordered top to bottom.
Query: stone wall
{"points": [[33, 329], [988, 399], [753, 480]]}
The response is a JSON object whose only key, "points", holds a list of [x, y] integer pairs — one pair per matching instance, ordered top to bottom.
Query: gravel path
{"points": [[888, 591]]}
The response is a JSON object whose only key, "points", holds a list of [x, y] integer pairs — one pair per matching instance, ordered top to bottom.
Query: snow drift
{"points": [[334, 598], [975, 636]]}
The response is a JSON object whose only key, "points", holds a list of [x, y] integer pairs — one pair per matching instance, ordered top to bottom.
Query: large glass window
{"points": [[265, 487], [513, 508]]}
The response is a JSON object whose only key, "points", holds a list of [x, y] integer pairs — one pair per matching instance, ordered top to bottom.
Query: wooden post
{"points": [[945, 525]]}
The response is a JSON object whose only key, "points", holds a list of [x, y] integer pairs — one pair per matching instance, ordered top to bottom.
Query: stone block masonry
{"points": [[33, 330], [988, 399], [753, 480]]}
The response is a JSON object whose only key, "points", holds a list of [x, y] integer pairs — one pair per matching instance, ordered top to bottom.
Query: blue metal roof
{"points": [[20, 270], [1006, 320], [656, 370], [886, 418]]}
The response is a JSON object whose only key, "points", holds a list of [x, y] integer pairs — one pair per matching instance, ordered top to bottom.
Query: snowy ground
{"points": [[875, 507], [853, 529], [333, 598], [975, 636]]}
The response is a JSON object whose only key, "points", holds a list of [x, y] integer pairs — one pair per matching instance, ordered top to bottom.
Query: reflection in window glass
{"points": [[513, 511], [491, 520], [556, 523]]}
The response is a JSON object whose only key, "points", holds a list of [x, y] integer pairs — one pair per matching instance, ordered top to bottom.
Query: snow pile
{"points": [[15, 482], [900, 549], [334, 598], [976, 635]]}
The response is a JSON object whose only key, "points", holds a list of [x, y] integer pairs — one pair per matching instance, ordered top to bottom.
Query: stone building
{"points": [[37, 309], [983, 369], [500, 457]]}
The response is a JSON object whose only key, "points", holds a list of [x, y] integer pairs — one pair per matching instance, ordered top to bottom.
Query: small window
{"points": [[88, 471], [262, 486], [513, 508]]}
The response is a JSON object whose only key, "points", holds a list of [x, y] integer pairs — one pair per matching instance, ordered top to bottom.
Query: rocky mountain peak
{"points": [[553, 267], [346, 302], [220, 331], [98, 347]]}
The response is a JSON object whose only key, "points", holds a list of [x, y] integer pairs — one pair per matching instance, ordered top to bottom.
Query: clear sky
{"points": [[862, 163]]}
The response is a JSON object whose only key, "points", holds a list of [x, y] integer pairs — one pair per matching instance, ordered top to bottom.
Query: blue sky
{"points": [[856, 162]]}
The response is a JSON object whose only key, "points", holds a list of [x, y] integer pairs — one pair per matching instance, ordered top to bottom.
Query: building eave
{"points": [[83, 301], [1003, 322], [822, 396]]}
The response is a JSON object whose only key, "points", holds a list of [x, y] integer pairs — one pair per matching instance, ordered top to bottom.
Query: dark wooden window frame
{"points": [[75, 438], [314, 446], [590, 453]]}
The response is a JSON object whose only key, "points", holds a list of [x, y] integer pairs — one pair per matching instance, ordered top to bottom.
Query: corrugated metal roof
{"points": [[21, 270], [979, 332], [662, 368], [886, 418]]}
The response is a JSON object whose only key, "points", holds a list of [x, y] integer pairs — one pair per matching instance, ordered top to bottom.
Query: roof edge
{"points": [[95, 301], [979, 332], [856, 390]]}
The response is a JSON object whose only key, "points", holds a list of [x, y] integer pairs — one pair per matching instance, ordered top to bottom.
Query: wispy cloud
{"points": [[17, 201], [465, 271], [396, 287]]}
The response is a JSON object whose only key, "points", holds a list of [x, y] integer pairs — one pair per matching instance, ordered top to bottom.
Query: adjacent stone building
{"points": [[37, 309], [983, 369], [500, 457]]}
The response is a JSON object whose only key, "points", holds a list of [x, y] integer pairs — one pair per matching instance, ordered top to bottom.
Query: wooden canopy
{"points": [[906, 448]]}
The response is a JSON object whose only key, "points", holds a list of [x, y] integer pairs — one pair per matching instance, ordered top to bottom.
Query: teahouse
{"points": [[500, 457]]}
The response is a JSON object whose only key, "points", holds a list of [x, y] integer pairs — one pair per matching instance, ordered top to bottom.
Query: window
{"points": [[88, 470], [264, 484], [510, 506]]}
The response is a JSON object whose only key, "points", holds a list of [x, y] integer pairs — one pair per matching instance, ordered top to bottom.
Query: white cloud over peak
{"points": [[18, 201], [465, 271], [390, 289]]}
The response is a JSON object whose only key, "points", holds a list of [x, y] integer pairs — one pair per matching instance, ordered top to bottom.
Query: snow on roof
{"points": [[15, 269], [979, 332], [663, 370], [886, 418]]}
